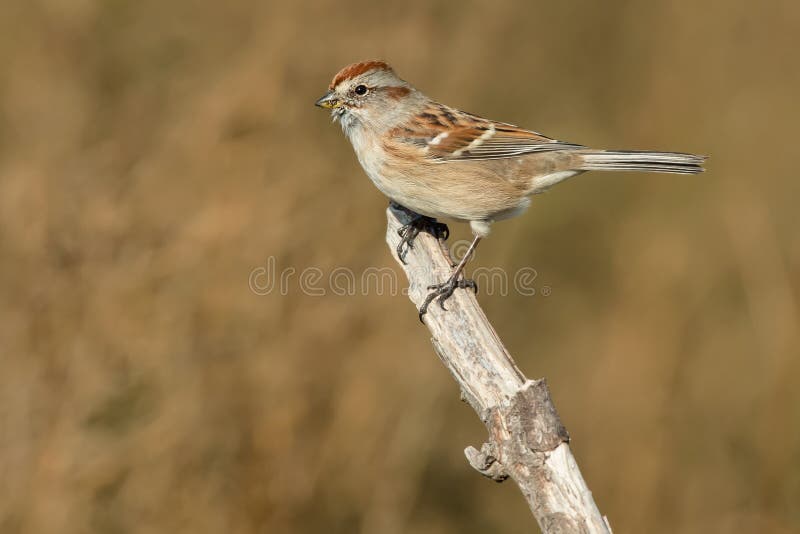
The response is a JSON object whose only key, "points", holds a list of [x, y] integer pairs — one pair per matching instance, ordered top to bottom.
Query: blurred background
{"points": [[153, 155]]}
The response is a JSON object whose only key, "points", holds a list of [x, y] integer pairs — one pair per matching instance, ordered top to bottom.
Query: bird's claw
{"points": [[409, 232], [442, 292]]}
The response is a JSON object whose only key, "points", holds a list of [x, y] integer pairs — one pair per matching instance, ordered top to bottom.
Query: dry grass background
{"points": [[152, 154]]}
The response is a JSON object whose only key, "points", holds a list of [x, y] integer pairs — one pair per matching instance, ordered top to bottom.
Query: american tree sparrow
{"points": [[439, 162]]}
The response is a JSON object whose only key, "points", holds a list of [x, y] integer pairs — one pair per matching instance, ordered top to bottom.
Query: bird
{"points": [[438, 162]]}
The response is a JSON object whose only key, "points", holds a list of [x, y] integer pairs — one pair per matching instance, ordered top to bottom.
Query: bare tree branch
{"points": [[527, 441]]}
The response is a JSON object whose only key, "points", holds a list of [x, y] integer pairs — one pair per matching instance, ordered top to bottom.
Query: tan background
{"points": [[152, 154]]}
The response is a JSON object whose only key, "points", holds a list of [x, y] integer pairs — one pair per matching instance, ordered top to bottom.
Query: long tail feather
{"points": [[644, 161]]}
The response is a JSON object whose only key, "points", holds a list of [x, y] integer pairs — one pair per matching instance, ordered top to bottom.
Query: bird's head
{"points": [[366, 92]]}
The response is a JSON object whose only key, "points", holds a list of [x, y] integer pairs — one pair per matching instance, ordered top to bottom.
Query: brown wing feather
{"points": [[447, 134]]}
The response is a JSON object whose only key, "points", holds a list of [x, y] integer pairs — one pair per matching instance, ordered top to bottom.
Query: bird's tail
{"points": [[643, 161]]}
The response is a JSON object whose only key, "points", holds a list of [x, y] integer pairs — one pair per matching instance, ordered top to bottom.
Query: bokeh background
{"points": [[153, 154]]}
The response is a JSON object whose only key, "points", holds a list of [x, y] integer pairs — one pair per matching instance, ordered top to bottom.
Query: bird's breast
{"points": [[372, 158]]}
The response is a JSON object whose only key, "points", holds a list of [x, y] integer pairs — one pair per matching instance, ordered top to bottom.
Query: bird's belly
{"points": [[455, 191], [435, 192], [407, 194]]}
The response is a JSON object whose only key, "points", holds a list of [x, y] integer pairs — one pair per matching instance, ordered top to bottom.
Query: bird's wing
{"points": [[447, 135]]}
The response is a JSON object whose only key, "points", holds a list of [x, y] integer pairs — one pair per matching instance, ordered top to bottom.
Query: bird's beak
{"points": [[329, 101]]}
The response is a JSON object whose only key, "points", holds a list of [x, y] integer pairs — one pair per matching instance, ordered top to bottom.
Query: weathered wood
{"points": [[527, 441]]}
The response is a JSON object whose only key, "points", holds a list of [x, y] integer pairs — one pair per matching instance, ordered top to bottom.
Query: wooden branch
{"points": [[527, 441]]}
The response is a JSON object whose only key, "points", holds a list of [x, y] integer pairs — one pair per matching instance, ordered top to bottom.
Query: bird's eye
{"points": [[361, 90]]}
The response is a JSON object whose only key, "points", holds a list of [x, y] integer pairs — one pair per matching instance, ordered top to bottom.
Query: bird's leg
{"points": [[419, 223], [442, 292]]}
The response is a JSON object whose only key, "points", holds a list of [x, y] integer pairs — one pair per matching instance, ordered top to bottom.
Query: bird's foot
{"points": [[409, 232], [441, 292]]}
